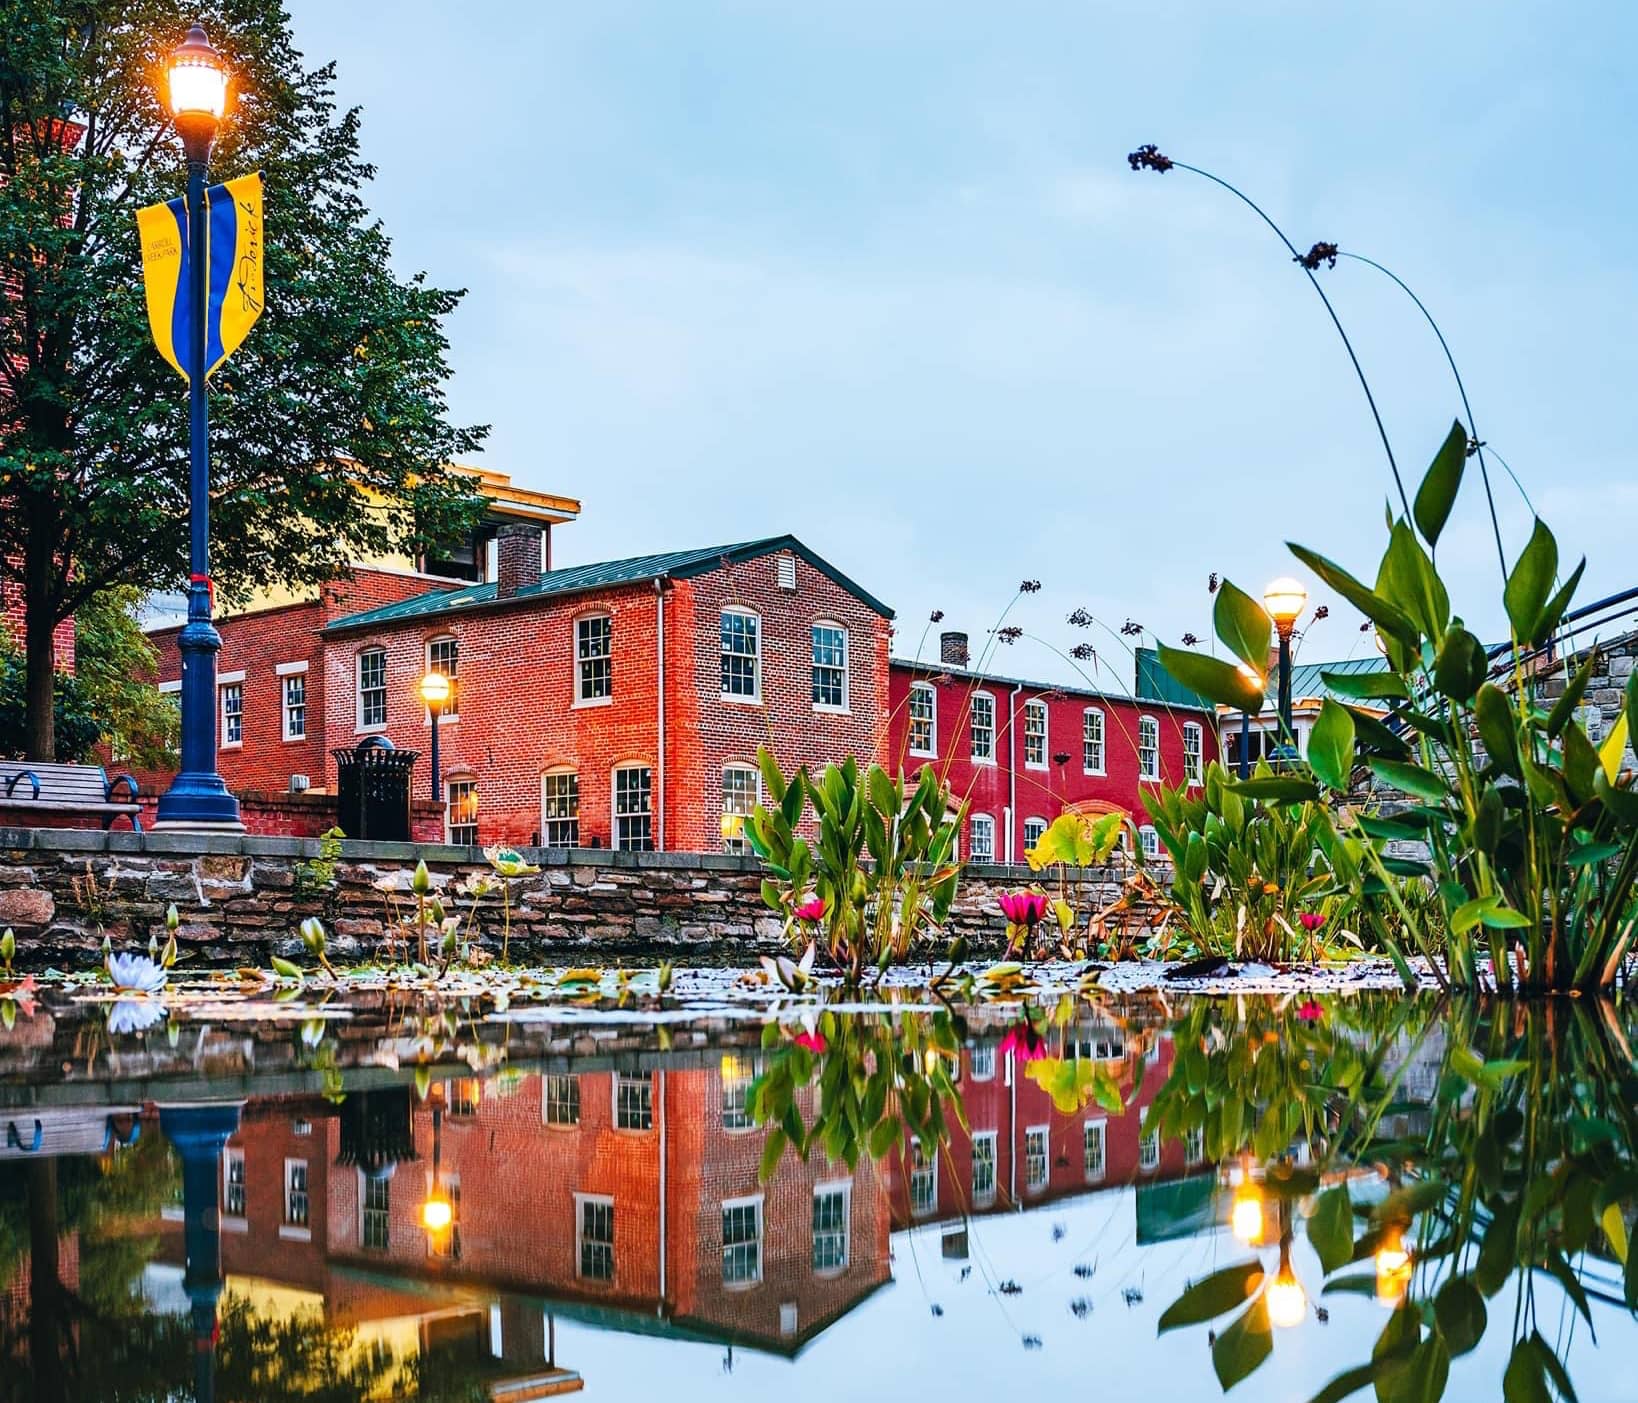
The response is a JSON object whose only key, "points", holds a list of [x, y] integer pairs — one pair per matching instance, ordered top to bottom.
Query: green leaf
{"points": [[1437, 494], [1408, 579], [1531, 580], [1554, 612], [1386, 615], [1243, 625], [1460, 666], [1212, 678], [1381, 685], [1574, 690], [1498, 728], [1374, 738], [1331, 745], [1412, 779], [1279, 789], [285, 970], [883, 1136], [773, 1148], [1331, 1228], [1497, 1251], [1564, 1273], [1214, 1295], [1459, 1309], [1244, 1345], [1554, 1367], [1420, 1378], [1525, 1380], [1347, 1382]]}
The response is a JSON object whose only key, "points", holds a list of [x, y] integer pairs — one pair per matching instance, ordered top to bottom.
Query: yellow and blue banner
{"points": [[233, 253]]}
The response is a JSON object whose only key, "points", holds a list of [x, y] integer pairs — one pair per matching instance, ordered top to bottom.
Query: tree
{"points": [[330, 426], [116, 668], [74, 727]]}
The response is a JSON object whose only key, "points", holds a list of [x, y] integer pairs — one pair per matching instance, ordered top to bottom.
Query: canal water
{"points": [[1140, 1198]]}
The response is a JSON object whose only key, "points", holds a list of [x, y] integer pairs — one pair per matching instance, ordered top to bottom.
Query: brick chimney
{"points": [[517, 558], [952, 649]]}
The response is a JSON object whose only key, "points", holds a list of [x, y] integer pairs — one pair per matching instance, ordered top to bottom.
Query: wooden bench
{"points": [[35, 787]]}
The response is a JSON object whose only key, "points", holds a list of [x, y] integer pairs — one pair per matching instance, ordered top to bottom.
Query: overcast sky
{"points": [[877, 274]]}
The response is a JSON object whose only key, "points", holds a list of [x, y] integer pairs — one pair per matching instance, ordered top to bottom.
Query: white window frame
{"points": [[583, 658], [295, 676], [233, 684], [360, 691], [931, 693], [754, 696], [987, 699], [846, 704], [452, 708], [1034, 708], [1097, 745], [1194, 753], [1147, 771], [462, 782], [616, 814], [1034, 819], [973, 829], [547, 838], [1149, 840], [739, 845], [981, 1062], [736, 1075], [647, 1079], [548, 1082], [1095, 1129], [1043, 1135], [1194, 1145], [1149, 1152], [231, 1156], [832, 1189], [983, 1197], [581, 1203], [923, 1204], [734, 1205], [364, 1211], [289, 1228]]}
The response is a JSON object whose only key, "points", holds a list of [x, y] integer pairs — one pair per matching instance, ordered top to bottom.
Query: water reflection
{"points": [[865, 1202]]}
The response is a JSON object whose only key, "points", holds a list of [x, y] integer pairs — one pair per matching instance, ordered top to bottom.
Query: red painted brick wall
{"points": [[1040, 793]]}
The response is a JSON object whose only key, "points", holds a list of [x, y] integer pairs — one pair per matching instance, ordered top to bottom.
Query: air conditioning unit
{"points": [[300, 784]]}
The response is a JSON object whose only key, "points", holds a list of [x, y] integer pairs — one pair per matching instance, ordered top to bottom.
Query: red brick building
{"points": [[1021, 752]]}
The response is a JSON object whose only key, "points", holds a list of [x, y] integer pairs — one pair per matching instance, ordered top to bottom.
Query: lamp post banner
{"points": [[233, 271]]}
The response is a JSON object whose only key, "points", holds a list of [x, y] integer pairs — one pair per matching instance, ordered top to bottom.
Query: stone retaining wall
{"points": [[241, 897]]}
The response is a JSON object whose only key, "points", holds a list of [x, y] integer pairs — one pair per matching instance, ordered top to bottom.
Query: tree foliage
{"points": [[329, 425], [117, 667]]}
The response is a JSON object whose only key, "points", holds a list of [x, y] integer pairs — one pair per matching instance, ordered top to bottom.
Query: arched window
{"points": [[741, 655], [593, 660], [829, 667], [923, 706], [371, 710], [983, 728], [1035, 734], [1092, 741], [1148, 748], [1193, 752], [741, 790], [560, 808], [634, 808], [1034, 830], [981, 838], [1149, 840]]}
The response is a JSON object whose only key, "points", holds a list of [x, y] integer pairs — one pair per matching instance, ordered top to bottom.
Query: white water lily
{"points": [[509, 862], [136, 974], [794, 975], [135, 1016]]}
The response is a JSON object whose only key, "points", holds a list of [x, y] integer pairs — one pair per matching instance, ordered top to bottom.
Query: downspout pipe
{"points": [[659, 706], [1012, 770]]}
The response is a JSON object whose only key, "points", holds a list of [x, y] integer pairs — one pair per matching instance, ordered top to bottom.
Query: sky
{"points": [[878, 275]]}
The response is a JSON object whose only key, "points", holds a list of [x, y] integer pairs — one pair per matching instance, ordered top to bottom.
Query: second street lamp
{"points": [[1285, 599], [435, 693], [198, 797]]}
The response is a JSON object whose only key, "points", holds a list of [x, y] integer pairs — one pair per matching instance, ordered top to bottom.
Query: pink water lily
{"points": [[1023, 908], [813, 909], [1311, 921], [1310, 1012], [814, 1041], [1023, 1043]]}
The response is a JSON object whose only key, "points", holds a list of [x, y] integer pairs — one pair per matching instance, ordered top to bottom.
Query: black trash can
{"points": [[373, 789]]}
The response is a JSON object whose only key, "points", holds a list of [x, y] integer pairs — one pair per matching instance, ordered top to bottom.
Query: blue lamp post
{"points": [[198, 797]]}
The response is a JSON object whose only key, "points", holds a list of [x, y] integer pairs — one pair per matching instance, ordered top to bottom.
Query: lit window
{"points": [[443, 657], [593, 658], [830, 667], [741, 670], [372, 688], [295, 705], [233, 713], [923, 720], [983, 726], [1035, 734], [1092, 741], [1148, 748], [1193, 760], [740, 789], [560, 809], [633, 811], [461, 817], [1034, 830], [1149, 841], [981, 842], [981, 1062], [737, 1076], [462, 1095], [560, 1100], [633, 1103], [1092, 1150], [1149, 1152], [1035, 1158], [984, 1167], [923, 1180], [233, 1183], [295, 1193], [375, 1227], [594, 1228], [830, 1228], [742, 1242]]}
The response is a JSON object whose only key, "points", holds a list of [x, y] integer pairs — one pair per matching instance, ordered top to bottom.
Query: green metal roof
{"points": [[577, 579], [1307, 682], [1154, 683]]}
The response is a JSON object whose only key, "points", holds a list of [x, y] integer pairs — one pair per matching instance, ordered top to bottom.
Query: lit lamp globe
{"points": [[198, 82], [1285, 599], [435, 690], [437, 1213], [1246, 1216], [1393, 1269], [1287, 1301]]}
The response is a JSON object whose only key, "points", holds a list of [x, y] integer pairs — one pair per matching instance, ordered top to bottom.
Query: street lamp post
{"points": [[1285, 599], [1250, 674], [435, 693], [198, 797]]}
